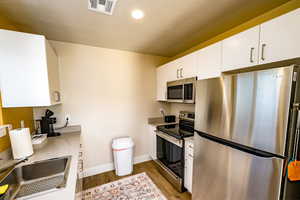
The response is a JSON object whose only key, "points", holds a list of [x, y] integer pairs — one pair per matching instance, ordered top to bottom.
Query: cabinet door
{"points": [[280, 38], [241, 50], [209, 61], [188, 66], [173, 70], [53, 75], [24, 76], [161, 83], [152, 151], [186, 164], [188, 170], [190, 173], [79, 182]]}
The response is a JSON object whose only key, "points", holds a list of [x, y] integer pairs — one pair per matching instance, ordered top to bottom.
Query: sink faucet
{"points": [[3, 169]]}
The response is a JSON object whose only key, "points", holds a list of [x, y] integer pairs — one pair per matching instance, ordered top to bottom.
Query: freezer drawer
{"points": [[223, 172]]}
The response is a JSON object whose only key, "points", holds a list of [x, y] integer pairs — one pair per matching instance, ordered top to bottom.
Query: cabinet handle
{"points": [[263, 51], [251, 54], [177, 73], [181, 73]]}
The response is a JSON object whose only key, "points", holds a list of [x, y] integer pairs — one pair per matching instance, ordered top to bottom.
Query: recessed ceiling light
{"points": [[137, 14]]}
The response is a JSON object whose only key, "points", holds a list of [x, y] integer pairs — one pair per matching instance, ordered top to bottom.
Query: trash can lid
{"points": [[122, 143]]}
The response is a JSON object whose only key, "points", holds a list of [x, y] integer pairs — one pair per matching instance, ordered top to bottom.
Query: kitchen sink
{"points": [[37, 177]]}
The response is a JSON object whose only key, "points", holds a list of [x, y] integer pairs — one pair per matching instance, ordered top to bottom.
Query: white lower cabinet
{"points": [[152, 151], [188, 168], [79, 182]]}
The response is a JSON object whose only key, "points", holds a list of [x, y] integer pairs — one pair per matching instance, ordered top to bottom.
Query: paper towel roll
{"points": [[21, 143]]}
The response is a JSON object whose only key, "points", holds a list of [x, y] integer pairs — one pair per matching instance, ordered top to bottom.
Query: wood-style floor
{"points": [[151, 170]]}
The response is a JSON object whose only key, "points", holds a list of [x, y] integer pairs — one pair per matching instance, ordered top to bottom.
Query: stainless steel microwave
{"points": [[181, 91]]}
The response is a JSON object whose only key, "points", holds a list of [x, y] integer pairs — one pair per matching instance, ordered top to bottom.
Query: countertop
{"points": [[159, 121], [68, 144]]}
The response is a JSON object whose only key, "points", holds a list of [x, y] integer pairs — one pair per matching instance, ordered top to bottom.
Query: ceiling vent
{"points": [[103, 6]]}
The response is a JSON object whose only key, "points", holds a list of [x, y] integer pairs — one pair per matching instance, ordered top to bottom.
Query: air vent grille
{"points": [[103, 6]]}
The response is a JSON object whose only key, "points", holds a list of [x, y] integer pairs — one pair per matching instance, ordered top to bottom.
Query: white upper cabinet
{"points": [[280, 38], [272, 41], [241, 50], [209, 61], [187, 66], [29, 70], [173, 70], [161, 83], [160, 91]]}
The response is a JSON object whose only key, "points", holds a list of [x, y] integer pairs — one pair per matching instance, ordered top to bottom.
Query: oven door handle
{"points": [[171, 139]]}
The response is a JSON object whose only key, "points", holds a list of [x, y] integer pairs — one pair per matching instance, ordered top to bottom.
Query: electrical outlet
{"points": [[68, 117]]}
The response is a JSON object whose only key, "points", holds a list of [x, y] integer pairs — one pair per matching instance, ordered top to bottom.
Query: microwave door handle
{"points": [[181, 73], [183, 96]]}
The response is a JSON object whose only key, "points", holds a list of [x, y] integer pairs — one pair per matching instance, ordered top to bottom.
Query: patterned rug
{"points": [[137, 187]]}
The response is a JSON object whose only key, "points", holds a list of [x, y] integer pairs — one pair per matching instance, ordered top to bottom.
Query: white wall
{"points": [[111, 93]]}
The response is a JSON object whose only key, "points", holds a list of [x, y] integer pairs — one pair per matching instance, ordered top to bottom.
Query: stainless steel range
{"points": [[170, 148]]}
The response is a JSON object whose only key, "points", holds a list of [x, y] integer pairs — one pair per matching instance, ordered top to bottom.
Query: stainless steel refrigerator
{"points": [[244, 135]]}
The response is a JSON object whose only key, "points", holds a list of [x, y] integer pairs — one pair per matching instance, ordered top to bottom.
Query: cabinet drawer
{"points": [[189, 148]]}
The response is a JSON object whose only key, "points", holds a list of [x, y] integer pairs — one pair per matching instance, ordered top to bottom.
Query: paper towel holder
{"points": [[21, 143]]}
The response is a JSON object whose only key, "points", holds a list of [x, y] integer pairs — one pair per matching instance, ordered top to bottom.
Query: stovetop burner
{"points": [[184, 129], [178, 131]]}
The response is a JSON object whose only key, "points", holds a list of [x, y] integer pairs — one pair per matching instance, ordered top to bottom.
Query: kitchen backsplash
{"points": [[175, 108], [14, 116]]}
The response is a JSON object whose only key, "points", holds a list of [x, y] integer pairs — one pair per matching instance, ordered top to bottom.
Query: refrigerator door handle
{"points": [[297, 134], [240, 147]]}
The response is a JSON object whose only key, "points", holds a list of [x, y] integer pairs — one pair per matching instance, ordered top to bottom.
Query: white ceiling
{"points": [[168, 28]]}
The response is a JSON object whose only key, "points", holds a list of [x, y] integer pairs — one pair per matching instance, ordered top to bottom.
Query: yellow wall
{"points": [[287, 7], [13, 115]]}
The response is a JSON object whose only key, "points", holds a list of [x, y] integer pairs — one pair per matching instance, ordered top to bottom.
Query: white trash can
{"points": [[123, 155]]}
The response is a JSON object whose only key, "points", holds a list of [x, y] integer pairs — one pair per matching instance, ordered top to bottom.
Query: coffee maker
{"points": [[46, 124]]}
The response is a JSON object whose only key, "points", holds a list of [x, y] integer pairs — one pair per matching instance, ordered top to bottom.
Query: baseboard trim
{"points": [[110, 166]]}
